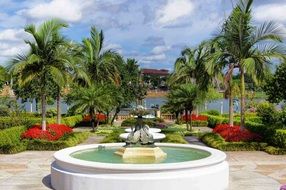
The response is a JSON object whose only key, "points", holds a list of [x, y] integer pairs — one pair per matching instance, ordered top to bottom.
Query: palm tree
{"points": [[252, 48], [45, 61], [100, 64], [191, 67], [4, 76], [187, 96], [93, 99]]}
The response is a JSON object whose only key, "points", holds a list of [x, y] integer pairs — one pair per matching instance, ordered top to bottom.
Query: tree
{"points": [[252, 48], [44, 62], [101, 65], [191, 67], [4, 76], [275, 85], [187, 96], [93, 99]]}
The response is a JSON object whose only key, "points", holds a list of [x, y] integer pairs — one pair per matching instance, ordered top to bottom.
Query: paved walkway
{"points": [[248, 170]]}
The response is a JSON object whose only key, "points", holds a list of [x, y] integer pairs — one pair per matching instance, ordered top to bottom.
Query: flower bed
{"points": [[195, 117], [53, 132], [235, 134]]}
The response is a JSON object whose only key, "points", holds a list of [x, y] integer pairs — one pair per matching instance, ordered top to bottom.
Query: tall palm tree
{"points": [[252, 48], [45, 61], [100, 64], [191, 67]]}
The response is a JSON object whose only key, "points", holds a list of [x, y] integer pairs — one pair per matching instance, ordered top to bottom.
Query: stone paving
{"points": [[248, 170]]}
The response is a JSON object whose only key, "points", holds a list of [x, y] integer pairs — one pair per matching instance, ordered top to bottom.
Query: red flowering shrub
{"points": [[99, 117], [195, 117], [53, 132], [235, 134]]}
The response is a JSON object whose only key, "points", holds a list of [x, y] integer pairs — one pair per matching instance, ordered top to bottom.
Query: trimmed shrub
{"points": [[51, 112], [213, 112], [267, 112], [215, 120], [72, 121], [6, 122], [150, 122], [53, 132], [235, 134], [113, 137], [174, 138], [278, 138], [10, 140], [66, 141], [216, 141], [275, 150]]}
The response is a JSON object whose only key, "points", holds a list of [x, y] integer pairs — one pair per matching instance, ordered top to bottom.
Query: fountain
{"points": [[139, 164]]}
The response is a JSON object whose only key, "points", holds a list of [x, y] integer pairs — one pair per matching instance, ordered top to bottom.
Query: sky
{"points": [[154, 32]]}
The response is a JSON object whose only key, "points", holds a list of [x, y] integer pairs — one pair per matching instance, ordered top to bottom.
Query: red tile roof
{"points": [[162, 72]]}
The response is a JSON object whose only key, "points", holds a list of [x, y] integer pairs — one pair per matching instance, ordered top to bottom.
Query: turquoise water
{"points": [[174, 155]]}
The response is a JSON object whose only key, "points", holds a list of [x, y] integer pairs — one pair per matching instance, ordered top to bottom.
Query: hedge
{"points": [[214, 120], [7, 122], [150, 122], [113, 137], [174, 138], [278, 138], [10, 141], [67, 141], [216, 141], [275, 150]]}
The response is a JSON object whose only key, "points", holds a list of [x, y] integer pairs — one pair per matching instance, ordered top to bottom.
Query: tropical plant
{"points": [[251, 48], [45, 62], [100, 64], [4, 76], [186, 96], [92, 100]]}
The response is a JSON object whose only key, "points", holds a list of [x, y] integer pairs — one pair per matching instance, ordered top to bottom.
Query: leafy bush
{"points": [[51, 112], [213, 112], [267, 112], [72, 120], [215, 120], [6, 122], [150, 122], [53, 132], [235, 134], [113, 137], [174, 138], [278, 138], [10, 140], [66, 141], [216, 141], [275, 150]]}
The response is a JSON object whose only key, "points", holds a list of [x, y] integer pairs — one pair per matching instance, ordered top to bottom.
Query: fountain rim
{"points": [[63, 157]]}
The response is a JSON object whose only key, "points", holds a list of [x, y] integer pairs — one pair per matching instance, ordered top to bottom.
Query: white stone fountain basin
{"points": [[151, 130], [156, 136], [68, 173]]}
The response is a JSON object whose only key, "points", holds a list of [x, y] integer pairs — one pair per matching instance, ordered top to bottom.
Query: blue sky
{"points": [[151, 31]]}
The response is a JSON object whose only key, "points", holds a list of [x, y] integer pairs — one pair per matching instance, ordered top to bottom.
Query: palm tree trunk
{"points": [[230, 98], [242, 101], [59, 108], [92, 114], [115, 115], [187, 118], [44, 124], [191, 125]]}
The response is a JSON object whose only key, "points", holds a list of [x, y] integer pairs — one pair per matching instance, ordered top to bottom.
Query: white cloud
{"points": [[68, 10], [173, 10], [275, 11], [12, 35], [12, 43], [160, 49], [154, 58]]}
